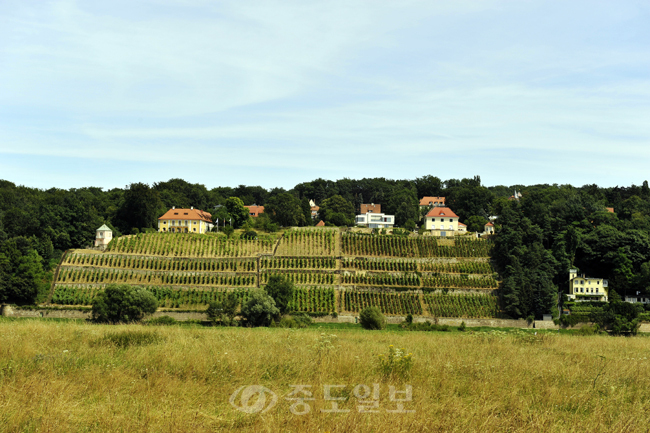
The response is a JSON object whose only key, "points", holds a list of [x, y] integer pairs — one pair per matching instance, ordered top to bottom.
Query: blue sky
{"points": [[275, 93]]}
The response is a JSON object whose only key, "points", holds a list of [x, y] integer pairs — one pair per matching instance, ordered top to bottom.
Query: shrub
{"points": [[249, 234], [281, 290], [123, 303], [260, 309], [371, 318], [162, 320], [298, 321], [462, 326]]}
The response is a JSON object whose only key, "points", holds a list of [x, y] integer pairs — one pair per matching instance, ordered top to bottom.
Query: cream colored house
{"points": [[185, 221], [441, 221], [489, 228], [104, 236], [583, 288]]}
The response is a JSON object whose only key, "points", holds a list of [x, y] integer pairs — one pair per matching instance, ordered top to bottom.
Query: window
{"points": [[451, 220], [443, 233]]}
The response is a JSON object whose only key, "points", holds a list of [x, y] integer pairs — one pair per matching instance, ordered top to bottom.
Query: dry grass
{"points": [[68, 377]]}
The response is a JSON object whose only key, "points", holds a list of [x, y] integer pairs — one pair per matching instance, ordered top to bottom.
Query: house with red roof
{"points": [[432, 202], [255, 210], [185, 221], [441, 221], [320, 224], [489, 228]]}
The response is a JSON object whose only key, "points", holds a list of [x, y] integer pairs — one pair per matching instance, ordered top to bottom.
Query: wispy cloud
{"points": [[326, 89]]}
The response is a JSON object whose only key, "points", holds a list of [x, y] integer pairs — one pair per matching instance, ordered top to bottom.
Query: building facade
{"points": [[375, 220], [185, 221], [441, 221], [104, 236], [583, 288]]}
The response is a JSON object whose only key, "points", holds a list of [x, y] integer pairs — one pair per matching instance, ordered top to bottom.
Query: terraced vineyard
{"points": [[187, 271], [459, 305]]}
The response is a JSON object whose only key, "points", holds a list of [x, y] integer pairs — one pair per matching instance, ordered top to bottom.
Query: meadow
{"points": [[63, 376]]}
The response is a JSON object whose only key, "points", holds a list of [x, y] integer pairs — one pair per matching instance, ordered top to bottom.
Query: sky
{"points": [[275, 93]]}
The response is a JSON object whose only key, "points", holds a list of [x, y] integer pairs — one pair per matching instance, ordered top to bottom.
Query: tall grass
{"points": [[55, 377]]}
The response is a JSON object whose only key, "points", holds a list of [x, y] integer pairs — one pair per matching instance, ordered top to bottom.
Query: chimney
{"points": [[173, 207], [191, 207]]}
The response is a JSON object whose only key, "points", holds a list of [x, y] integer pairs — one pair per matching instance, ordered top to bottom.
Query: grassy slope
{"points": [[64, 377]]}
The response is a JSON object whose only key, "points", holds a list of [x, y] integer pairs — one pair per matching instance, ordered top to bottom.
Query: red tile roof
{"points": [[426, 200], [374, 208], [610, 209], [254, 210], [441, 211], [187, 214], [320, 224], [461, 224], [489, 224]]}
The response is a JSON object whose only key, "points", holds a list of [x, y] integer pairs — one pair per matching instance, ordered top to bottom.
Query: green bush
{"points": [[281, 290], [123, 303], [259, 309], [371, 318], [162, 320], [296, 321]]}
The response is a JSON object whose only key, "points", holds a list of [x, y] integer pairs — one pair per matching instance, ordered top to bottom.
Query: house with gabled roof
{"points": [[432, 202], [255, 210], [185, 221], [441, 221], [583, 288]]}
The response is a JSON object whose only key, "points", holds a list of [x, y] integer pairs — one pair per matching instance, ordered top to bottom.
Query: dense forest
{"points": [[540, 235]]}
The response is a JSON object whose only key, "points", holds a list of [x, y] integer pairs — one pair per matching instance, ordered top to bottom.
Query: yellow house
{"points": [[185, 221], [441, 221], [583, 288]]}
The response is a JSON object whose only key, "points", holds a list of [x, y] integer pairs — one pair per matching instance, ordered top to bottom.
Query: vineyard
{"points": [[320, 242], [191, 245], [397, 246], [298, 263], [161, 264], [401, 275], [119, 276], [302, 278], [460, 281], [312, 300], [388, 302], [459, 305]]}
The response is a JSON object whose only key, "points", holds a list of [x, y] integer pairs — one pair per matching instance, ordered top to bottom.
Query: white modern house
{"points": [[375, 220]]}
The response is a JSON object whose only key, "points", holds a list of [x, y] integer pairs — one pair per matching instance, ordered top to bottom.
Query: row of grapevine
{"points": [[319, 242], [191, 245], [397, 246], [298, 263], [161, 264], [365, 264], [461, 267], [118, 276], [303, 277], [412, 280], [461, 281], [167, 297], [313, 300], [388, 302], [458, 305]]}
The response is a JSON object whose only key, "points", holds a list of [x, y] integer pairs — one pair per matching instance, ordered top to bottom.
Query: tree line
{"points": [[550, 229]]}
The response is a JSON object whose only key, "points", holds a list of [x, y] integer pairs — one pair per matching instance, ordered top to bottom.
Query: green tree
{"points": [[404, 204], [140, 208], [285, 209], [337, 210], [237, 211], [476, 223], [22, 278], [281, 290], [123, 303], [259, 309]]}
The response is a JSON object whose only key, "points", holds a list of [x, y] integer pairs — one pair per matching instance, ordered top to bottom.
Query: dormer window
{"points": [[175, 213]]}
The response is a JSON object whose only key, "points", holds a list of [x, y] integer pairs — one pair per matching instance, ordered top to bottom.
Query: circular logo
{"points": [[253, 399]]}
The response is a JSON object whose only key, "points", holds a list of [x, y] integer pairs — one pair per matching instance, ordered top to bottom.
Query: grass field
{"points": [[70, 377]]}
